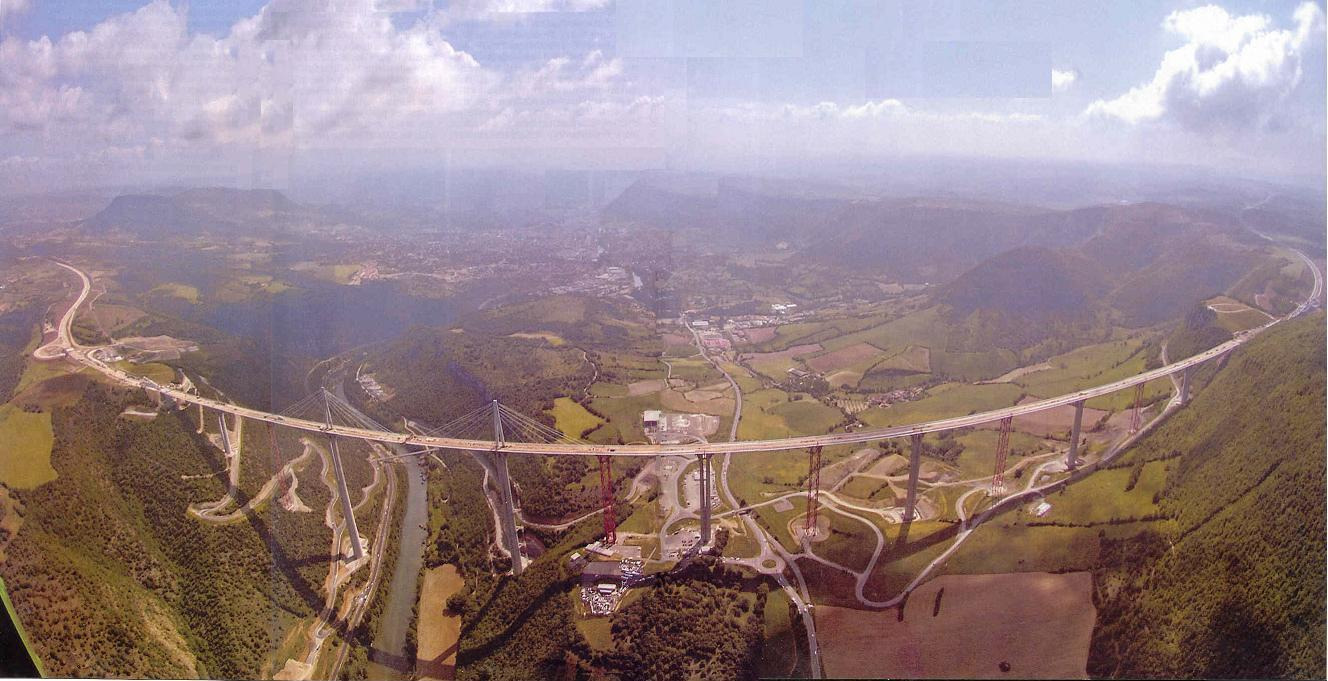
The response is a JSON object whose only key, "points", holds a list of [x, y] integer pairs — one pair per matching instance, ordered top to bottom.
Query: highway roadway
{"points": [[88, 356]]}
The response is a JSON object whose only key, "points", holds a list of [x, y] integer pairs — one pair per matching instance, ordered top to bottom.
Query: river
{"points": [[387, 658]]}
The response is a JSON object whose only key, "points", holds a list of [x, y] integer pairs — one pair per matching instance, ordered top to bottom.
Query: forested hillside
{"points": [[1197, 332], [436, 375], [111, 577], [1236, 588]]}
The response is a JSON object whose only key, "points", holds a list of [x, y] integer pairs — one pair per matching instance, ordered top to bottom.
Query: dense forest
{"points": [[437, 375], [1236, 589], [702, 622]]}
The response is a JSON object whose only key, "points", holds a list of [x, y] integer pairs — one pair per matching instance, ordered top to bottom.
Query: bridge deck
{"points": [[85, 356]]}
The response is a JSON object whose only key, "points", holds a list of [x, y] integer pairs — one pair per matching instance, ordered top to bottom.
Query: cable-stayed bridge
{"points": [[498, 431]]}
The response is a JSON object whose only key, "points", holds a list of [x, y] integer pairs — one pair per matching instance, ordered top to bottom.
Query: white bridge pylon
{"points": [[493, 422]]}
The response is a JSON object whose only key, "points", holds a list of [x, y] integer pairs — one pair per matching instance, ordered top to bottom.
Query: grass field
{"points": [[175, 290], [1234, 315], [111, 317], [922, 328], [551, 338], [843, 358], [915, 359], [1094, 365], [973, 366], [156, 371], [697, 371], [35, 372], [746, 382], [602, 389], [950, 399], [624, 414], [807, 416], [572, 418], [27, 438], [978, 458], [868, 489], [1101, 496], [645, 518], [850, 542], [740, 544], [1008, 546], [965, 626], [596, 630]]}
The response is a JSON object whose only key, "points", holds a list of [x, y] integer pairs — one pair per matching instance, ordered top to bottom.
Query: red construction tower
{"points": [[1135, 420], [1002, 450], [813, 489], [606, 499]]}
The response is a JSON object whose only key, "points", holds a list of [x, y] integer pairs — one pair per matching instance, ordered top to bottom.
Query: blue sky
{"points": [[93, 92]]}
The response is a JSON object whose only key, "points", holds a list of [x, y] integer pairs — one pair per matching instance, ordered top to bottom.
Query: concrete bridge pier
{"points": [[1185, 385], [200, 418], [1072, 457], [914, 465], [706, 492], [507, 503], [347, 509], [507, 509]]}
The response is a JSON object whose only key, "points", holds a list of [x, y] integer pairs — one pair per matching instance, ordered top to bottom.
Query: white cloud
{"points": [[9, 8], [472, 10], [291, 72], [1231, 73], [563, 74], [296, 76], [1063, 79], [879, 111]]}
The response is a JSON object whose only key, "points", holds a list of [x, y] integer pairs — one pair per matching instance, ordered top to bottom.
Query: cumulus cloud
{"points": [[290, 71], [1231, 73], [296, 76], [1063, 79]]}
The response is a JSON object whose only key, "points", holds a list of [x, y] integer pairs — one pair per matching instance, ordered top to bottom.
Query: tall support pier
{"points": [[1185, 386], [1002, 451], [1072, 457], [914, 466], [705, 497], [606, 500], [507, 505], [347, 510]]}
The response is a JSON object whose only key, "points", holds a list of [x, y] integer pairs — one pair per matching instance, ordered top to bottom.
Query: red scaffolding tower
{"points": [[1135, 418]]}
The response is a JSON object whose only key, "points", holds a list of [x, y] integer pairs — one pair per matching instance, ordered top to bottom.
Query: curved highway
{"points": [[65, 343]]}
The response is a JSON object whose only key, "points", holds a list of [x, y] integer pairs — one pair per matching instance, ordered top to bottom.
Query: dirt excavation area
{"points": [[966, 626]]}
